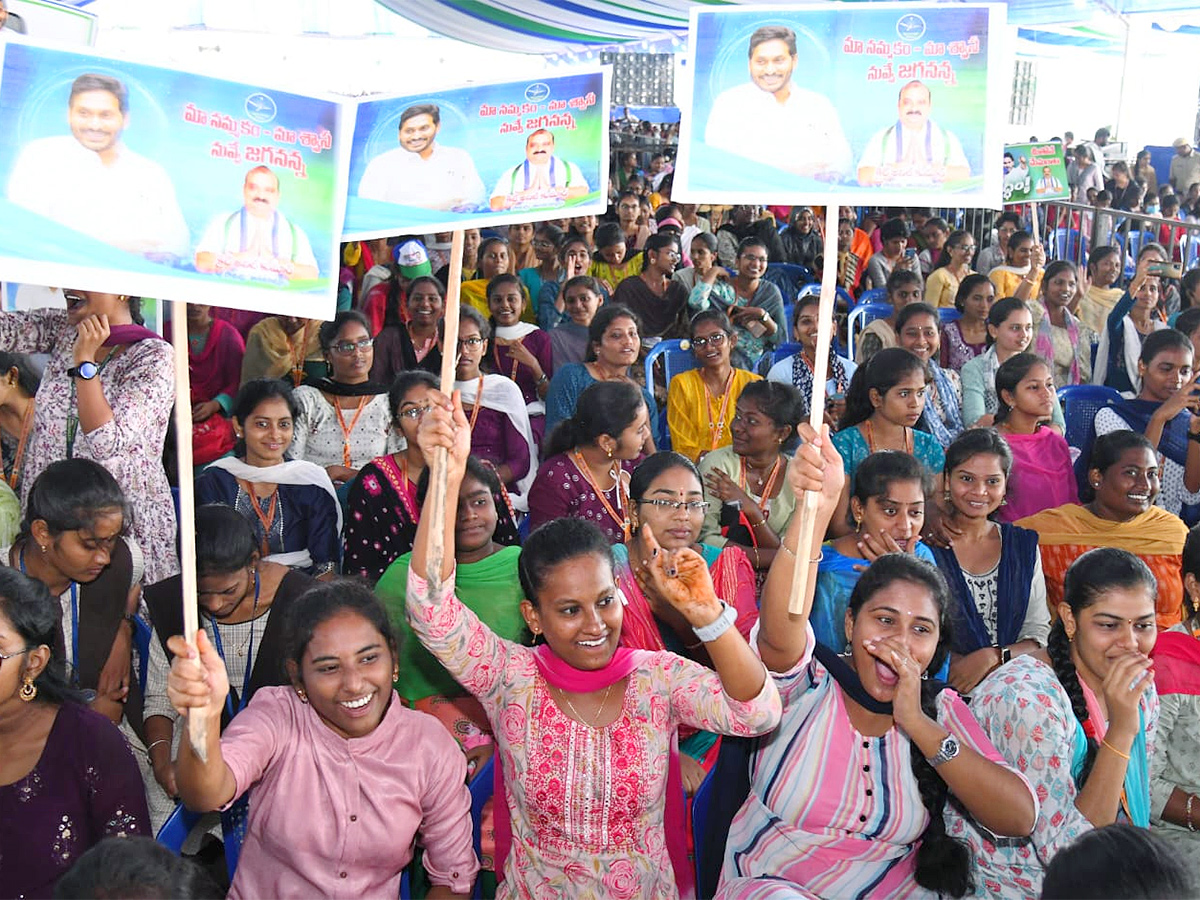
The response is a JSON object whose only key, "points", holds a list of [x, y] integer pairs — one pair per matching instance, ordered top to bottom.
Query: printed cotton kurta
{"points": [[139, 385], [586, 803]]}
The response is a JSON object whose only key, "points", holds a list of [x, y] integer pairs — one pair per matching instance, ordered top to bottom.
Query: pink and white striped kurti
{"points": [[833, 813]]}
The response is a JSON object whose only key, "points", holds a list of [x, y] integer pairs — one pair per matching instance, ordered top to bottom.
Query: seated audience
{"points": [[1007, 224], [546, 240], [802, 243], [575, 256], [892, 257], [495, 258], [612, 264], [951, 266], [1021, 274], [903, 288], [1101, 288], [581, 298], [658, 301], [753, 304], [1133, 318], [1010, 331], [917, 332], [966, 337], [1061, 339], [613, 345], [402, 346], [284, 347], [215, 351], [519, 351], [797, 369], [18, 385], [701, 402], [1164, 411], [116, 416], [499, 420], [321, 433], [588, 460], [1042, 473], [290, 503], [750, 505], [887, 512], [1119, 512], [994, 569], [559, 710], [1077, 719], [344, 777], [67, 778], [845, 829], [1118, 861], [135, 866]]}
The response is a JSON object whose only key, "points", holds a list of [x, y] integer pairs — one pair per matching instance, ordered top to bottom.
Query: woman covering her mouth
{"points": [[1123, 480]]}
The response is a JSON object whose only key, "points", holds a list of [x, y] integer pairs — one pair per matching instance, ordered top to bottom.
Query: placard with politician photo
{"points": [[873, 103], [470, 157], [1035, 172], [146, 180]]}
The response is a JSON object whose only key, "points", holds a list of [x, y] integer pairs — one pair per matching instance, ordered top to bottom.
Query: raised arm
{"points": [[817, 466], [198, 686]]}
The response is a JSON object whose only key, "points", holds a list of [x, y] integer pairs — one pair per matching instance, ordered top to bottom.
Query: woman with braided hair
{"points": [[1078, 718], [847, 796]]}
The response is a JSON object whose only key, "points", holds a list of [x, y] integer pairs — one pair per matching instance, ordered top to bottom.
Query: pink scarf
{"points": [[567, 678]]}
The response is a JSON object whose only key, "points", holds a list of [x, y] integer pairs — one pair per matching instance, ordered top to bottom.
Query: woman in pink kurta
{"points": [[124, 428], [343, 778], [587, 781]]}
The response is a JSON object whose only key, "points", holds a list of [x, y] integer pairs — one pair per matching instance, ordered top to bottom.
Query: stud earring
{"points": [[609, 452], [28, 690], [303, 696]]}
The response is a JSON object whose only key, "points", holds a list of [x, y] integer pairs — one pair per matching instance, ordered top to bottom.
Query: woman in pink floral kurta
{"points": [[138, 384], [586, 802]]}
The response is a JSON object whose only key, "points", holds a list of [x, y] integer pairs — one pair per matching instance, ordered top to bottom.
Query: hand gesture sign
{"points": [[680, 577]]}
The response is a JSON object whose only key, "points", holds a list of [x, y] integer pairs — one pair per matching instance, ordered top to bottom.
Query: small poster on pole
{"points": [[867, 103], [520, 151], [1035, 172], [146, 180]]}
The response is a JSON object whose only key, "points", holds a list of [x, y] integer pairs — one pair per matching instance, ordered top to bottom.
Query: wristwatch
{"points": [[87, 370], [719, 625], [1005, 654], [946, 752]]}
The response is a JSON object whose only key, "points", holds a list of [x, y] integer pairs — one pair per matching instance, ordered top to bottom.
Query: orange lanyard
{"points": [[500, 367], [478, 405], [26, 426], [717, 428], [348, 429], [870, 436], [765, 498], [618, 515], [266, 520]]}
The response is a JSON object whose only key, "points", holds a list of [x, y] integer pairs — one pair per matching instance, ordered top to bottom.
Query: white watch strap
{"points": [[719, 626]]}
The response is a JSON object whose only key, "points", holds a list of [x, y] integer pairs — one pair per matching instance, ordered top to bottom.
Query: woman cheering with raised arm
{"points": [[584, 729], [847, 796]]}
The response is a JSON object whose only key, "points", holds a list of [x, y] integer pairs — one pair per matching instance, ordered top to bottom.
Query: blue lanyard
{"points": [[74, 620], [249, 655]]}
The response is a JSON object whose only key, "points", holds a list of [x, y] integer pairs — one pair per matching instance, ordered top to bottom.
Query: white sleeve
{"points": [[577, 177], [213, 239], [302, 252], [1107, 421], [1036, 626]]}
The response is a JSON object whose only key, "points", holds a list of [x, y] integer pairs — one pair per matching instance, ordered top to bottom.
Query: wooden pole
{"points": [[437, 465], [804, 570], [197, 727]]}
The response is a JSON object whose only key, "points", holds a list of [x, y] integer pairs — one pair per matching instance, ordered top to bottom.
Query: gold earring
{"points": [[609, 452], [946, 496], [857, 526], [28, 690], [303, 696]]}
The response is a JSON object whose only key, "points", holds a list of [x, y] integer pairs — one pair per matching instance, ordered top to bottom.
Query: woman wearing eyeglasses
{"points": [[701, 402], [344, 421], [665, 493], [381, 505]]}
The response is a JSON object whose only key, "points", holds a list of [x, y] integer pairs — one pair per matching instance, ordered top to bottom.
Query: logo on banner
{"points": [[910, 27], [537, 93], [260, 108]]}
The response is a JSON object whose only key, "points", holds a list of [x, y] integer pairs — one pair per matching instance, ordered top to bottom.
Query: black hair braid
{"points": [[1058, 647], [943, 862]]}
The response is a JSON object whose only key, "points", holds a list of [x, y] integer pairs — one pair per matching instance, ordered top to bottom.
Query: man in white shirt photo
{"points": [[770, 120], [914, 149], [421, 172], [543, 179], [91, 182]]}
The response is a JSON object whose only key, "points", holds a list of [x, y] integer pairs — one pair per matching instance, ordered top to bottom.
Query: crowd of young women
{"points": [[970, 684]]}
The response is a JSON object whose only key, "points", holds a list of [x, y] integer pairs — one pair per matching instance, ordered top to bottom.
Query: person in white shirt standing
{"points": [[771, 121], [421, 172], [91, 182]]}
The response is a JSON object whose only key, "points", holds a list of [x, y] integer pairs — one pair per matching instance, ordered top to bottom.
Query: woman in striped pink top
{"points": [[846, 796]]}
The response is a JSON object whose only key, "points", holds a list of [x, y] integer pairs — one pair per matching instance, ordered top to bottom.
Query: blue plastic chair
{"points": [[1063, 243], [1133, 243], [786, 283], [808, 290], [874, 295], [948, 314], [860, 317], [783, 351], [676, 357], [1080, 403], [142, 635], [482, 786], [178, 826]]}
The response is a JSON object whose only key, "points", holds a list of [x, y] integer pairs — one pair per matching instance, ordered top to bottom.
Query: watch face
{"points": [[87, 370], [949, 747]]}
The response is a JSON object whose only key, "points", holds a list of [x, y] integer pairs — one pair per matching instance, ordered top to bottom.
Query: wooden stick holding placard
{"points": [[437, 466], [805, 570], [197, 726]]}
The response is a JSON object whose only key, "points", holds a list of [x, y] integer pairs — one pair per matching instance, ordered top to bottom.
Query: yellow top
{"points": [[1007, 279], [941, 287], [1096, 304], [695, 431]]}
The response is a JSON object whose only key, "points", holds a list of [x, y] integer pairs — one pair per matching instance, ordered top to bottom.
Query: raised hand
{"points": [[90, 335], [445, 426], [680, 577], [1130, 676], [201, 687], [906, 704]]}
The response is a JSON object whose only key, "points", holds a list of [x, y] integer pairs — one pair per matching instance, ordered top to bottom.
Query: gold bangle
{"points": [[1124, 756]]}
